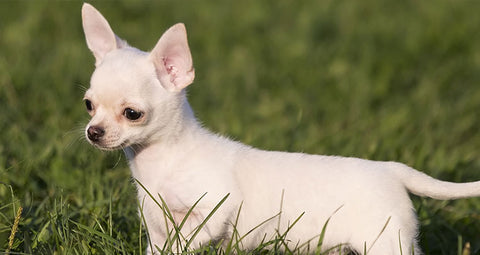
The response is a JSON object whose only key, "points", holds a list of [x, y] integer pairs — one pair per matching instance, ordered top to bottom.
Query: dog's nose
{"points": [[94, 133]]}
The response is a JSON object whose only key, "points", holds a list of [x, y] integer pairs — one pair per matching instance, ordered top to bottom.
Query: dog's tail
{"points": [[421, 184]]}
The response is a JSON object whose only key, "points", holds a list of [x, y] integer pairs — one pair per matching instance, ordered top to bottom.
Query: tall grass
{"points": [[384, 80]]}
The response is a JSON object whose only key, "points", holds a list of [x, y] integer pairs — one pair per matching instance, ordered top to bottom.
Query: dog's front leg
{"points": [[198, 230], [188, 231]]}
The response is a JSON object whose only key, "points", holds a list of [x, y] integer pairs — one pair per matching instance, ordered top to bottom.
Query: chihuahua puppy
{"points": [[137, 103]]}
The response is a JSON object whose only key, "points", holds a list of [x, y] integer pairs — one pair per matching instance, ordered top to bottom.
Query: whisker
{"points": [[82, 87], [75, 135], [118, 160]]}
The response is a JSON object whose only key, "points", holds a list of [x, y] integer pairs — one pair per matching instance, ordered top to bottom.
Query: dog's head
{"points": [[133, 95]]}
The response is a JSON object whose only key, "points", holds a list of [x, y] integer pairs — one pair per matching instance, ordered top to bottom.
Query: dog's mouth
{"points": [[109, 145]]}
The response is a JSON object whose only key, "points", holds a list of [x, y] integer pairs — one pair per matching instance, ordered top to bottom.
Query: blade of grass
{"points": [[190, 210], [166, 214], [256, 227], [146, 228], [199, 228], [234, 230], [324, 230], [95, 232], [379, 234], [178, 235], [284, 235], [400, 242]]}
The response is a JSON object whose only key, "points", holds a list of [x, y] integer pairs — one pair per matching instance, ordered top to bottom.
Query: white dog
{"points": [[137, 103]]}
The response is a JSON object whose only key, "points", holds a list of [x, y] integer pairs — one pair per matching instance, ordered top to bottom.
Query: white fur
{"points": [[172, 155]]}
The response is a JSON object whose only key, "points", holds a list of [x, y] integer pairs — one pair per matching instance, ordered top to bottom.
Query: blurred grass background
{"points": [[383, 80]]}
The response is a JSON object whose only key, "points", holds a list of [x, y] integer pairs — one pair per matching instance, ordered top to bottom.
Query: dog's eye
{"points": [[89, 105], [131, 114]]}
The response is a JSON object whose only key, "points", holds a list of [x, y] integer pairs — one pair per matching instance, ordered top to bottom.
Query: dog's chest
{"points": [[159, 177], [179, 179]]}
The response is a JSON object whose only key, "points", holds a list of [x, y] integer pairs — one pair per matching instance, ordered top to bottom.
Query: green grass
{"points": [[384, 80]]}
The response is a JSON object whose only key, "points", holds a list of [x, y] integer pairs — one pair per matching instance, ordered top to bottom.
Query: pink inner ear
{"points": [[172, 59], [171, 69]]}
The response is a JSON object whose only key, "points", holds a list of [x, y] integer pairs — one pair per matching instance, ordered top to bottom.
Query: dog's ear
{"points": [[100, 37], [172, 59]]}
